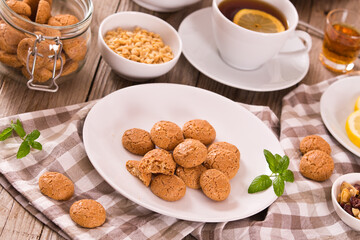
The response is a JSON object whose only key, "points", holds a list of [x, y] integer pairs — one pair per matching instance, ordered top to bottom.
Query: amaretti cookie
{"points": [[19, 7], [43, 12], [63, 20], [199, 129], [166, 135], [137, 141], [314, 142], [226, 146], [190, 153], [224, 160], [158, 161], [316, 165], [133, 168], [191, 176], [215, 185], [56, 186], [168, 187], [88, 213]]}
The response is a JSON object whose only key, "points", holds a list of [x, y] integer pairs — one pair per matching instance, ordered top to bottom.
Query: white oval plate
{"points": [[336, 104], [142, 106]]}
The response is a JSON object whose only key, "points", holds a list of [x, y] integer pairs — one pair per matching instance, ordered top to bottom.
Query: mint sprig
{"points": [[28, 140], [280, 174]]}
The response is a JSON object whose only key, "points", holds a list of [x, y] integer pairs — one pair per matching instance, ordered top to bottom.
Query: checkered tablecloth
{"points": [[303, 212]]}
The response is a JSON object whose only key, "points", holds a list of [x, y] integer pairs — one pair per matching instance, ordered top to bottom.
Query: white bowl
{"points": [[165, 5], [129, 69], [350, 220]]}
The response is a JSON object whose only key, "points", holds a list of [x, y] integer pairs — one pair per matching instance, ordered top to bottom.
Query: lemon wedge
{"points": [[258, 21], [357, 104], [352, 127]]}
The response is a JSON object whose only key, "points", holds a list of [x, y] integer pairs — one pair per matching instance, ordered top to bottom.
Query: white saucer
{"points": [[164, 5], [200, 50]]}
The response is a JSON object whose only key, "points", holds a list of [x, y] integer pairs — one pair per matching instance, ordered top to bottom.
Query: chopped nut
{"points": [[139, 45], [345, 196], [355, 212]]}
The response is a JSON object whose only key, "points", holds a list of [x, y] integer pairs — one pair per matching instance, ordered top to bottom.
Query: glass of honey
{"points": [[341, 45]]}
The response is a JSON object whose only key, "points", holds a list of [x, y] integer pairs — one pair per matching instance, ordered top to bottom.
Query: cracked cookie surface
{"points": [[199, 129], [166, 135], [137, 141], [314, 142], [226, 146], [190, 153], [223, 160], [158, 161], [316, 165], [133, 168], [191, 176], [215, 185], [56, 186], [168, 187], [88, 213]]}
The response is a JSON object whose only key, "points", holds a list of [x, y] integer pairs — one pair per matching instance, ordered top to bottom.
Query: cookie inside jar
{"points": [[44, 42]]}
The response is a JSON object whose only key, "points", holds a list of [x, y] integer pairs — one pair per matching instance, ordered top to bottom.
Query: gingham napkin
{"points": [[303, 212]]}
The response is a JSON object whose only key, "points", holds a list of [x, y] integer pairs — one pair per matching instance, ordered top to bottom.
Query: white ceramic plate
{"points": [[165, 6], [200, 50], [336, 104], [142, 106]]}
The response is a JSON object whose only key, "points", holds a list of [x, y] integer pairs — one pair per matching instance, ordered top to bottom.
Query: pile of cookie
{"points": [[14, 44], [175, 158], [316, 162], [87, 213]]}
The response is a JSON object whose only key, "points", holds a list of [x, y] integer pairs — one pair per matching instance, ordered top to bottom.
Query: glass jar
{"points": [[43, 42]]}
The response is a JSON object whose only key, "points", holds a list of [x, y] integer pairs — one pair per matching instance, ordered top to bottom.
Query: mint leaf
{"points": [[18, 128], [6, 133], [33, 135], [36, 145], [24, 150], [271, 160], [283, 164], [288, 175], [260, 183], [279, 185]]}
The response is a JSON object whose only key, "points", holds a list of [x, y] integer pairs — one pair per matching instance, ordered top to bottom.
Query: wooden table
{"points": [[96, 80]]}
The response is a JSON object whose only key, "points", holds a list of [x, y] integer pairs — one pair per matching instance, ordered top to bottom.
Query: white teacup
{"points": [[248, 50]]}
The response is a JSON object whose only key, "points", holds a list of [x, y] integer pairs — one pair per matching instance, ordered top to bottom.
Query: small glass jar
{"points": [[43, 42]]}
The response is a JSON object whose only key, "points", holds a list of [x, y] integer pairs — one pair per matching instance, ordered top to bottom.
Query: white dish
{"points": [[164, 5], [199, 48], [132, 70], [336, 104], [142, 106], [350, 220]]}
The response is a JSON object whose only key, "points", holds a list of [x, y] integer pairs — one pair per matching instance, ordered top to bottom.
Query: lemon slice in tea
{"points": [[258, 21], [352, 127]]}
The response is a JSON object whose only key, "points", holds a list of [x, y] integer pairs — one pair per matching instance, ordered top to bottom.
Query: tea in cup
{"points": [[248, 33], [341, 45]]}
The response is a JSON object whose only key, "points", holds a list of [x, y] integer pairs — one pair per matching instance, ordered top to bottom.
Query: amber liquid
{"points": [[230, 7], [341, 43]]}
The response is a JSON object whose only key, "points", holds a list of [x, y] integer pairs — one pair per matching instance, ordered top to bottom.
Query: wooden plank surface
{"points": [[96, 80]]}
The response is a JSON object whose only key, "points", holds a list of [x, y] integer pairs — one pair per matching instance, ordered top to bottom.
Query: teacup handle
{"points": [[306, 38]]}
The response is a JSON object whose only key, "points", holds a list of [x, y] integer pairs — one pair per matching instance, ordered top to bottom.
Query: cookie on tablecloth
{"points": [[314, 142], [316, 165], [56, 186], [88, 213]]}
